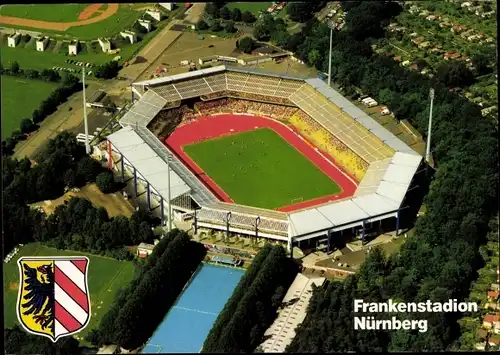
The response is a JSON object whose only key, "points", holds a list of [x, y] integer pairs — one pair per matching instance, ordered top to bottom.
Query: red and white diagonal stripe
{"points": [[71, 296]]}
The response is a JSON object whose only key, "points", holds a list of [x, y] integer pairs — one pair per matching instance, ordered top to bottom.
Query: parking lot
{"points": [[77, 63]]}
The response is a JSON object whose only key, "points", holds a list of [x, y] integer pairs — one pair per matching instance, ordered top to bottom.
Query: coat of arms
{"points": [[53, 299]]}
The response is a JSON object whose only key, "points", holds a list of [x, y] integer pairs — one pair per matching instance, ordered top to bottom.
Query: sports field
{"points": [[47, 12], [83, 21], [16, 105], [259, 168], [105, 277], [189, 321]]}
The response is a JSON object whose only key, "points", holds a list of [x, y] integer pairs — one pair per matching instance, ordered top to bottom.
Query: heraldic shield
{"points": [[53, 299]]}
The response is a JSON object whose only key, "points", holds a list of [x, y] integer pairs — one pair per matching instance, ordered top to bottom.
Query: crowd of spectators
{"points": [[230, 105], [166, 121], [332, 145]]}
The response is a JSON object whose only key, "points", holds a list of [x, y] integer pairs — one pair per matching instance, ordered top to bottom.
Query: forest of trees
{"points": [[76, 225], [440, 260], [253, 305], [141, 307], [17, 341]]}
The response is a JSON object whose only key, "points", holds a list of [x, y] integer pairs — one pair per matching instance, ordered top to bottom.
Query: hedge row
{"points": [[141, 308]]}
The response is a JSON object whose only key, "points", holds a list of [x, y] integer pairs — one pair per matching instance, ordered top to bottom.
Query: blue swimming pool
{"points": [[188, 322]]}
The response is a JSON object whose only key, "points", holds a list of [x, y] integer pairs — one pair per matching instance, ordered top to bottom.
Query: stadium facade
{"points": [[391, 164]]}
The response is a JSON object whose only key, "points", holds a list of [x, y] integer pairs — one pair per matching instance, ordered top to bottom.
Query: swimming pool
{"points": [[188, 322]]}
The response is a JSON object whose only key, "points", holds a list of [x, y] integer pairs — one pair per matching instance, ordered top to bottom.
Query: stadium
{"points": [[259, 154]]}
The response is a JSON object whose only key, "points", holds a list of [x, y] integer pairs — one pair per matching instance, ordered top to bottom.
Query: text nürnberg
{"points": [[370, 323]]}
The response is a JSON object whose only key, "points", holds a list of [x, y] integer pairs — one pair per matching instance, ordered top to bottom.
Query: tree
{"points": [[212, 10], [300, 11], [225, 13], [236, 15], [248, 17], [201, 25], [216, 27], [230, 27], [260, 33], [246, 44], [14, 68], [108, 70], [32, 74], [454, 74], [50, 75], [26, 125], [69, 178], [105, 181]]}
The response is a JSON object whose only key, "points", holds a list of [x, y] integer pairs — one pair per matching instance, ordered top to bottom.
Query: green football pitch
{"points": [[259, 168], [105, 277]]}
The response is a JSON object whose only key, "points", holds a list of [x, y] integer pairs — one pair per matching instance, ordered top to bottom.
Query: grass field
{"points": [[253, 7], [48, 12], [124, 18], [29, 58], [16, 105], [259, 168], [105, 277]]}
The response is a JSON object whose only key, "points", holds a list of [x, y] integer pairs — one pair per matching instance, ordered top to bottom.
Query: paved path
{"points": [[151, 51]]}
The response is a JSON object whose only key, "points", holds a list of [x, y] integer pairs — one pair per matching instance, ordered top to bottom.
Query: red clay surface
{"points": [[211, 127]]}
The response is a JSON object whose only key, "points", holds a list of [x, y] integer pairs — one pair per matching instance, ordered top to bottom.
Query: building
{"points": [[167, 5], [155, 14], [146, 24], [130, 35], [13, 40], [41, 44], [105, 44], [73, 48], [265, 50], [96, 99], [388, 170], [144, 249], [493, 295], [489, 320], [281, 333]]}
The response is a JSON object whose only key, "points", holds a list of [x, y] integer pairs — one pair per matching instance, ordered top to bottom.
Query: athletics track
{"points": [[210, 127]]}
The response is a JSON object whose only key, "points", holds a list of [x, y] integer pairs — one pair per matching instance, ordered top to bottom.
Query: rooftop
{"points": [[297, 298]]}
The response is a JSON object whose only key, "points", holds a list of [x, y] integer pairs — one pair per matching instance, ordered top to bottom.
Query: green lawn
{"points": [[253, 7], [52, 12], [123, 19], [29, 58], [19, 98], [259, 168], [105, 277]]}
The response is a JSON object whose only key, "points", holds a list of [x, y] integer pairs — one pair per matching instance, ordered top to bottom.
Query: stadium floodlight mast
{"points": [[332, 26], [86, 123], [429, 129], [168, 195]]}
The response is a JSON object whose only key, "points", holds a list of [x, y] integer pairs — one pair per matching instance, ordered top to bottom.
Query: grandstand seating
{"points": [[233, 81], [231, 105], [166, 121], [327, 142], [366, 145]]}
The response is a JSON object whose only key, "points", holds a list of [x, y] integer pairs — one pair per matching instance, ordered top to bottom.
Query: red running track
{"points": [[210, 127]]}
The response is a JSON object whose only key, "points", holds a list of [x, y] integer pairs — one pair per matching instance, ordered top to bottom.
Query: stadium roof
{"points": [[144, 110], [148, 163], [381, 192], [282, 331]]}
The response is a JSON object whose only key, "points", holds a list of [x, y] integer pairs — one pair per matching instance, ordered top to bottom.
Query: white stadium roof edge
{"points": [[380, 193]]}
